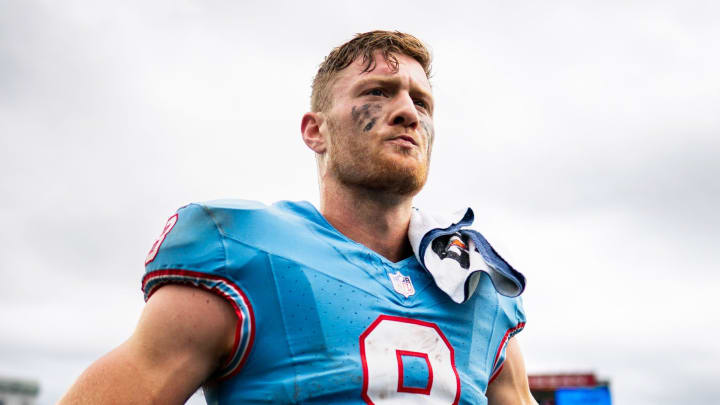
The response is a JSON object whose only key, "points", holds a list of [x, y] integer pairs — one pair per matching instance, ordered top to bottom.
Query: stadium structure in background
{"points": [[569, 389], [14, 391]]}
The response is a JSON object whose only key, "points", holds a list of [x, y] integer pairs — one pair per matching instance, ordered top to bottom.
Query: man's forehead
{"points": [[383, 69]]}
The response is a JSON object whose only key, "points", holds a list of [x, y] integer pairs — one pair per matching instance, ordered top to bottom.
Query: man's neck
{"points": [[374, 219]]}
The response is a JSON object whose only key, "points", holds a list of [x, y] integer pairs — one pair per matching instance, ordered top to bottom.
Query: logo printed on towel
{"points": [[452, 247], [402, 284]]}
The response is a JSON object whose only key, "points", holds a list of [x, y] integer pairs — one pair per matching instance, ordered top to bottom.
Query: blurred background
{"points": [[586, 135]]}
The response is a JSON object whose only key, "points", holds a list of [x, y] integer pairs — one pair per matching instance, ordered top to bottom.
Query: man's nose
{"points": [[404, 112]]}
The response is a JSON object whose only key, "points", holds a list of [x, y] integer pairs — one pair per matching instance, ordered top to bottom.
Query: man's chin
{"points": [[405, 163], [388, 172], [403, 178]]}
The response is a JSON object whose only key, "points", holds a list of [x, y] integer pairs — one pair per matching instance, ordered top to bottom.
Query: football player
{"points": [[291, 304]]}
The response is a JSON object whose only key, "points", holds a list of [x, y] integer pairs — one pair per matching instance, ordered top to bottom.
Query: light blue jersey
{"points": [[325, 320]]}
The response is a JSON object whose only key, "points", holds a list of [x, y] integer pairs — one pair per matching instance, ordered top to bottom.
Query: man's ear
{"points": [[310, 129]]}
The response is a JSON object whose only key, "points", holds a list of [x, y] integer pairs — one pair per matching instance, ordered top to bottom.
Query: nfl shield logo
{"points": [[402, 284]]}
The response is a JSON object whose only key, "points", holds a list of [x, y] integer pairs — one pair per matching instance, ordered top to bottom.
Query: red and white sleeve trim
{"points": [[245, 331], [499, 360]]}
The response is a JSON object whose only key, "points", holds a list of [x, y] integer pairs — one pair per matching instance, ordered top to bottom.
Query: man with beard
{"points": [[290, 304]]}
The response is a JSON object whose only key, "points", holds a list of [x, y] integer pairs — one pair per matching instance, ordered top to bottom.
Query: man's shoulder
{"points": [[235, 204], [225, 209], [230, 213], [259, 225], [202, 228], [215, 237]]}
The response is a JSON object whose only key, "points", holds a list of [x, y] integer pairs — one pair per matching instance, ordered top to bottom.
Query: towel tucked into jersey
{"points": [[456, 255]]}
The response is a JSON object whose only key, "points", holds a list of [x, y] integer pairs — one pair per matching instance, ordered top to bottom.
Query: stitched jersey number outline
{"points": [[382, 346]]}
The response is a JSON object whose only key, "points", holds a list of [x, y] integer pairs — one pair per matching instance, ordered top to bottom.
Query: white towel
{"points": [[456, 255]]}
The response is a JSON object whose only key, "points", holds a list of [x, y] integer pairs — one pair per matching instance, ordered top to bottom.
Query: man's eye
{"points": [[375, 92], [421, 104]]}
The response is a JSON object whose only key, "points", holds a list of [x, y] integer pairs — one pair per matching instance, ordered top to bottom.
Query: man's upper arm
{"points": [[183, 336], [511, 387]]}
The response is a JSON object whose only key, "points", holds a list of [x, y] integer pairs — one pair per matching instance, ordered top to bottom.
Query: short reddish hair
{"points": [[388, 42]]}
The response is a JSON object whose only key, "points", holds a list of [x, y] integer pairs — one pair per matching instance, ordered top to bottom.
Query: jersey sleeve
{"points": [[190, 240], [191, 251], [511, 321]]}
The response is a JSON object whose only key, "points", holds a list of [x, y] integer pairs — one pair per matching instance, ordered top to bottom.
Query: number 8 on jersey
{"points": [[383, 347]]}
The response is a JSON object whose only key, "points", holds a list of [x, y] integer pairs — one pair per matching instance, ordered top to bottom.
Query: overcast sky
{"points": [[586, 135]]}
